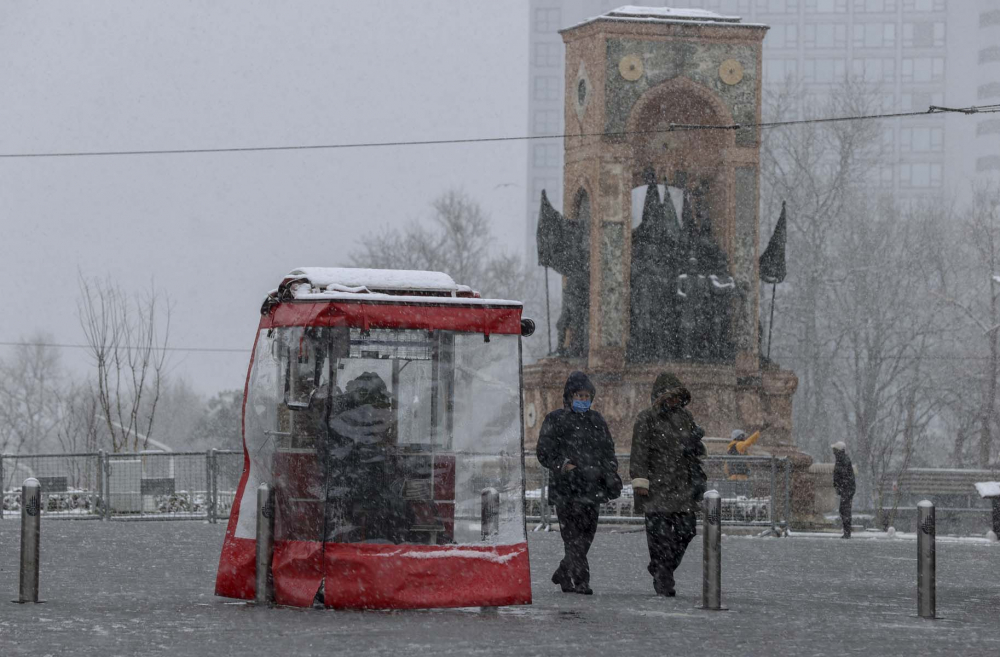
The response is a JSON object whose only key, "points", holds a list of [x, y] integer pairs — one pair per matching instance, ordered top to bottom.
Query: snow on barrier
{"points": [[990, 490]]}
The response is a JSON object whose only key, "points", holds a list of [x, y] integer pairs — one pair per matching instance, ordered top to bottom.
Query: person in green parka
{"points": [[667, 477]]}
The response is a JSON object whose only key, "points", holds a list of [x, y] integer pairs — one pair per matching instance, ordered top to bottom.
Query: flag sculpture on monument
{"points": [[772, 266]]}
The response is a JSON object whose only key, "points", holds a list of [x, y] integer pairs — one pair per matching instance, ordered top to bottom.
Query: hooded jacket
{"points": [[582, 440], [666, 453], [843, 474]]}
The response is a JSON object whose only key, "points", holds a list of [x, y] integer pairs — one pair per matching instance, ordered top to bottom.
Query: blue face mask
{"points": [[581, 406]]}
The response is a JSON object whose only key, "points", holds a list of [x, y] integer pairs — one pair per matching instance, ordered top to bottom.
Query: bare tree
{"points": [[817, 169], [460, 243], [976, 298], [864, 322], [887, 326], [127, 336], [30, 396], [179, 411], [219, 424], [80, 428]]}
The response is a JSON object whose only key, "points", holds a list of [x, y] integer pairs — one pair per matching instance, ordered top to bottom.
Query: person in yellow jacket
{"points": [[739, 445], [736, 472]]}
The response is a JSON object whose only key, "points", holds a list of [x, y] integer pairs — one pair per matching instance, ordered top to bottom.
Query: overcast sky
{"points": [[217, 231]]}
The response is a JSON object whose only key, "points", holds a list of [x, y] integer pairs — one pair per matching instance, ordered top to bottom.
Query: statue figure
{"points": [[563, 245], [705, 287], [692, 293], [655, 323]]}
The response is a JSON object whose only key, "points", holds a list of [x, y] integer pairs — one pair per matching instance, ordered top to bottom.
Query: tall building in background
{"points": [[919, 52], [988, 87]]}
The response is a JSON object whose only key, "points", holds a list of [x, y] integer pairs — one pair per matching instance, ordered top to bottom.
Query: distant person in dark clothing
{"points": [[575, 445], [667, 477], [843, 482]]}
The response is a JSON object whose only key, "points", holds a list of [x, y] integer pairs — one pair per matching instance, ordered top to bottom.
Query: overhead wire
{"points": [[932, 110], [57, 345], [246, 351]]}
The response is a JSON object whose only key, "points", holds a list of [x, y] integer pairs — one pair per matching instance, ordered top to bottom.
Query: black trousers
{"points": [[845, 512], [577, 526], [667, 535]]}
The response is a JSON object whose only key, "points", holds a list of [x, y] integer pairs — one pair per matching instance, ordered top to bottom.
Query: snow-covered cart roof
{"points": [[391, 281], [376, 285], [311, 296]]}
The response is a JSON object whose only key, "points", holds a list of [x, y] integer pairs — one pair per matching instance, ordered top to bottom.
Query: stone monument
{"points": [[664, 293]]}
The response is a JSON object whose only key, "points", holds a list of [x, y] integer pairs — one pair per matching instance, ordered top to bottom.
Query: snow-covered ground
{"points": [[146, 589]]}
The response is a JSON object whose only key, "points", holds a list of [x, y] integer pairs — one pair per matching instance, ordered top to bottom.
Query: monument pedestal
{"points": [[722, 399]]}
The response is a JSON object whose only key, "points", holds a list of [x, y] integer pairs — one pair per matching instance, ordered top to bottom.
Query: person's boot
{"points": [[846, 534], [562, 578], [663, 584], [583, 588], [665, 591]]}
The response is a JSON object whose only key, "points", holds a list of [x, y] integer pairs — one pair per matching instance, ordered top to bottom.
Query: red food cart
{"points": [[379, 405]]}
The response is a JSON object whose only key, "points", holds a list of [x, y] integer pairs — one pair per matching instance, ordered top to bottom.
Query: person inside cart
{"points": [[363, 490]]}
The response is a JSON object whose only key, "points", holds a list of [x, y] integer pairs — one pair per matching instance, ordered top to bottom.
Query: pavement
{"points": [[131, 588]]}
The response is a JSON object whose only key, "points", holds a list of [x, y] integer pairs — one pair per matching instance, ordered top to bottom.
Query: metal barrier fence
{"points": [[71, 483], [149, 485], [158, 485], [755, 491]]}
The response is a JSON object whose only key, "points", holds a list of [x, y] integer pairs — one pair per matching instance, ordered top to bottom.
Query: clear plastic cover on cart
{"points": [[386, 435]]}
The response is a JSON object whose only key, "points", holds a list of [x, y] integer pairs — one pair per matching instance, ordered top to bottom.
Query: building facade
{"points": [[916, 52], [988, 87]]}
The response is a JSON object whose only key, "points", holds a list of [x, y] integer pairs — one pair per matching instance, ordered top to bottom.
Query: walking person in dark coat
{"points": [[575, 445], [667, 477], [843, 482]]}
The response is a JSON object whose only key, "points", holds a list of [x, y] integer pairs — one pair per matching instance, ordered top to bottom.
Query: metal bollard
{"points": [[213, 487], [773, 491], [788, 495], [102, 499], [543, 508], [996, 515], [490, 518], [31, 533], [926, 560], [711, 588], [264, 593]]}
